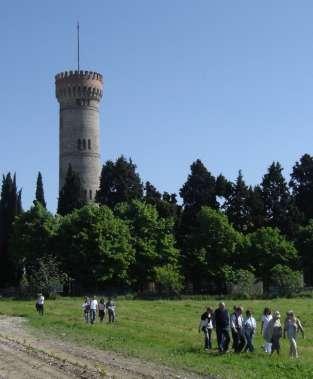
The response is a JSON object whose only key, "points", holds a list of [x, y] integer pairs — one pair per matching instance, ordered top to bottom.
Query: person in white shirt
{"points": [[40, 303], [93, 309], [266, 318], [236, 325], [206, 326], [249, 327]]}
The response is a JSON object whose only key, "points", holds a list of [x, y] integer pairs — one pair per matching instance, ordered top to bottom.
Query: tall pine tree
{"points": [[302, 185], [71, 195], [40, 196], [236, 205], [10, 207], [278, 208]]}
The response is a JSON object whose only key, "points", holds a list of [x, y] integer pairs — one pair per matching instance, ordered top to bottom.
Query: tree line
{"points": [[136, 237]]}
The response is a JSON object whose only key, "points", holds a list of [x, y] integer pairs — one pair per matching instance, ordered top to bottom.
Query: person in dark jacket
{"points": [[221, 322]]}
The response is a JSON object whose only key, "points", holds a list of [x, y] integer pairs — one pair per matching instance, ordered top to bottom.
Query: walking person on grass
{"points": [[40, 303], [101, 308], [86, 309], [93, 309], [111, 310], [266, 318], [221, 323], [236, 324], [206, 326], [292, 326], [249, 327], [275, 331]]}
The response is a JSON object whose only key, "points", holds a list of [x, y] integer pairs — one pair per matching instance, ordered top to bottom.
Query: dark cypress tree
{"points": [[119, 182], [302, 185], [199, 189], [40, 196], [71, 196], [236, 205], [255, 206], [10, 207], [279, 209]]}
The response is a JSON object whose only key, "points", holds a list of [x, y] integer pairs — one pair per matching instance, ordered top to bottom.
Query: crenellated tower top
{"points": [[78, 85]]}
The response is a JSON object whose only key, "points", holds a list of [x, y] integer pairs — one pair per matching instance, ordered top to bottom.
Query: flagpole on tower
{"points": [[78, 45]]}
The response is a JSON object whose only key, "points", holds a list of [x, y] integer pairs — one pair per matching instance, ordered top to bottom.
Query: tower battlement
{"points": [[79, 84]]}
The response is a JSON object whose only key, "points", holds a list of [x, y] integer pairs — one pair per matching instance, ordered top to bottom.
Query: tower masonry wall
{"points": [[79, 95]]}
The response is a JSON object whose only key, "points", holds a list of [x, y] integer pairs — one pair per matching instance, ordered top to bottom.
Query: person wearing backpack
{"points": [[111, 310], [206, 326]]}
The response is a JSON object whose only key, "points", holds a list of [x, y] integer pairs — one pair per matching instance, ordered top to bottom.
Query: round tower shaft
{"points": [[79, 94]]}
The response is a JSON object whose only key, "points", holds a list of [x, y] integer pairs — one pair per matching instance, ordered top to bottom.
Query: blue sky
{"points": [[229, 82]]}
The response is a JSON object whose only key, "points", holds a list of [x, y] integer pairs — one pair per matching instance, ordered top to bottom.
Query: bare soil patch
{"points": [[24, 355]]}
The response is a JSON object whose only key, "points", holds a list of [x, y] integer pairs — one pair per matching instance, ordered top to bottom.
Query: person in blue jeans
{"points": [[221, 323], [249, 327]]}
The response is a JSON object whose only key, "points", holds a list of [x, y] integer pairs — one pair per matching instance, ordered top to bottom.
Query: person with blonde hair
{"points": [[292, 326]]}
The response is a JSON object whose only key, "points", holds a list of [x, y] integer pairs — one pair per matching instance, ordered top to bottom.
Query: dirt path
{"points": [[24, 356]]}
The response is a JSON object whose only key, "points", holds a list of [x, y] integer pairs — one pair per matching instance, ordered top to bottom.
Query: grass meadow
{"points": [[167, 332]]}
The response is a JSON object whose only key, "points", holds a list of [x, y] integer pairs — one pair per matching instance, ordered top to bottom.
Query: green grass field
{"points": [[167, 332]]}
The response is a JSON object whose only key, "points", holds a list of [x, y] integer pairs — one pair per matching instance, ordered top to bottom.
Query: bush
{"points": [[168, 280], [284, 281], [240, 282]]}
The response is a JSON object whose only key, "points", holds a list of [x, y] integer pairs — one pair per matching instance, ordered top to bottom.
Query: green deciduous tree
{"points": [[119, 182], [71, 195], [40, 196], [33, 236], [152, 240], [213, 243], [304, 244], [94, 247], [266, 248], [285, 281]]}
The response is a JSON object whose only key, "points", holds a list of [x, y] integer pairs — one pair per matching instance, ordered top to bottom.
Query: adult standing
{"points": [[40, 303], [110, 305], [101, 308], [86, 309], [93, 309], [266, 318], [221, 322], [236, 324], [206, 326], [292, 326], [249, 327], [275, 331]]}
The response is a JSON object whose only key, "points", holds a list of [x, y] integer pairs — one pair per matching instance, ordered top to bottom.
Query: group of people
{"points": [[92, 306], [243, 328]]}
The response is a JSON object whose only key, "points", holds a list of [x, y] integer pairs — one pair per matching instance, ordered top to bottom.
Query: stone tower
{"points": [[79, 94]]}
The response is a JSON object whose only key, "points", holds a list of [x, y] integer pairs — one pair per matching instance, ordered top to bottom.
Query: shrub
{"points": [[168, 280], [284, 281]]}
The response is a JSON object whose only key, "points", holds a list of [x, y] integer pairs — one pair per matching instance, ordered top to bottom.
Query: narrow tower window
{"points": [[79, 144], [84, 144], [89, 144], [90, 194]]}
